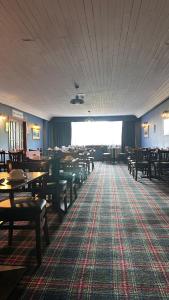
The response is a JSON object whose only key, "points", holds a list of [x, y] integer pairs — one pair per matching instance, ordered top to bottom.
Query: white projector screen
{"points": [[96, 133]]}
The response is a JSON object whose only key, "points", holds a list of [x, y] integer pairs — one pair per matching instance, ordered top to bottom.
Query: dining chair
{"points": [[16, 156], [141, 163], [162, 163], [3, 165], [70, 177], [28, 209]]}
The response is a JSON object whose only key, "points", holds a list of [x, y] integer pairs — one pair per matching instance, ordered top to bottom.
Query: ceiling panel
{"points": [[116, 50]]}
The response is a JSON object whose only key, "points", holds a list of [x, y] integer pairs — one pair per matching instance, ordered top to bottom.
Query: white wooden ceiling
{"points": [[116, 50]]}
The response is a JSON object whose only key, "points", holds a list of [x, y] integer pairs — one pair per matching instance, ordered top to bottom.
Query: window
{"points": [[166, 126], [96, 133]]}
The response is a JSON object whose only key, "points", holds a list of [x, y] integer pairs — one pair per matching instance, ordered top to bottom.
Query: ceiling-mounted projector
{"points": [[79, 99]]}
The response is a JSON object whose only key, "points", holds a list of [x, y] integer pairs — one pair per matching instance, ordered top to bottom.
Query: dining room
{"points": [[84, 149]]}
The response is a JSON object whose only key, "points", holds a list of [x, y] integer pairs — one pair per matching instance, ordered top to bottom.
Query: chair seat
{"points": [[140, 163], [164, 163], [69, 176], [62, 184], [22, 210], [33, 211]]}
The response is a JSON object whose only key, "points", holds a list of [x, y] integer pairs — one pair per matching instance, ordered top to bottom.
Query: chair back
{"points": [[142, 155], [163, 155], [16, 156], [2, 157], [29, 166]]}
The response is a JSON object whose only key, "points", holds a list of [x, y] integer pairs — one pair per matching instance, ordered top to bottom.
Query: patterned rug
{"points": [[113, 243]]}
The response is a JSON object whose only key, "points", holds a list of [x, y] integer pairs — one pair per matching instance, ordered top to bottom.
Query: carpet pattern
{"points": [[113, 243]]}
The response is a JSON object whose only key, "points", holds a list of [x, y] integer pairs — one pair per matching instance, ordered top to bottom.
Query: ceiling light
{"points": [[3, 116]]}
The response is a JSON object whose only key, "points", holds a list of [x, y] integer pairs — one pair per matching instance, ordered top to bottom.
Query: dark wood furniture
{"points": [[16, 156], [2, 161], [141, 163], [162, 163], [29, 165], [23, 209], [9, 277]]}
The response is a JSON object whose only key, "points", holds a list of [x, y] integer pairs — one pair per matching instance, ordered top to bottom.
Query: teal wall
{"points": [[30, 119]]}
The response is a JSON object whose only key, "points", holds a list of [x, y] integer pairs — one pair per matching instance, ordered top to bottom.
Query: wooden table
{"points": [[15, 186]]}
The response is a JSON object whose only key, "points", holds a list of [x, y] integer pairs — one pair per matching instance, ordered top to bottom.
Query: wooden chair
{"points": [[16, 156], [106, 157], [131, 158], [141, 163], [162, 163], [3, 165], [29, 165], [70, 177], [55, 191], [31, 210]]}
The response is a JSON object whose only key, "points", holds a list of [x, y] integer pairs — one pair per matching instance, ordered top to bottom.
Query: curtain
{"points": [[61, 134], [128, 134]]}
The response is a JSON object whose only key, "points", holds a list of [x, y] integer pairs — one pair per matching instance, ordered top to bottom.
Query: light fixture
{"points": [[79, 98], [165, 114], [3, 117], [89, 119], [145, 125], [36, 126]]}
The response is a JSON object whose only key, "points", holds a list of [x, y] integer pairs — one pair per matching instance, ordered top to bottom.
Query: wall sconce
{"points": [[165, 114], [3, 117], [145, 125], [7, 126], [35, 126]]}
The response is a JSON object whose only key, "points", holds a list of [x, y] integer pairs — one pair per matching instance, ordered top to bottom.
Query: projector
{"points": [[79, 99]]}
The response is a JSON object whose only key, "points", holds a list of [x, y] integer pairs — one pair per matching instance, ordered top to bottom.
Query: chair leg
{"points": [[149, 171], [136, 174], [75, 191], [71, 193], [65, 201], [45, 229], [10, 233], [38, 240]]}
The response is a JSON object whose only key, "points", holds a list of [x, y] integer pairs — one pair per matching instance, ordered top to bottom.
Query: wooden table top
{"points": [[8, 185]]}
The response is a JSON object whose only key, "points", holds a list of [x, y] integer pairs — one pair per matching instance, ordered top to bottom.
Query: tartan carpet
{"points": [[112, 244]]}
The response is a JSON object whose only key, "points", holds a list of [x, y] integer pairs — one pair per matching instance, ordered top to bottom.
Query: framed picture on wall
{"points": [[35, 133]]}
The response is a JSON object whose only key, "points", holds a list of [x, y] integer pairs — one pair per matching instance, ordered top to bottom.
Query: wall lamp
{"points": [[165, 114], [3, 117], [145, 125], [35, 126]]}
